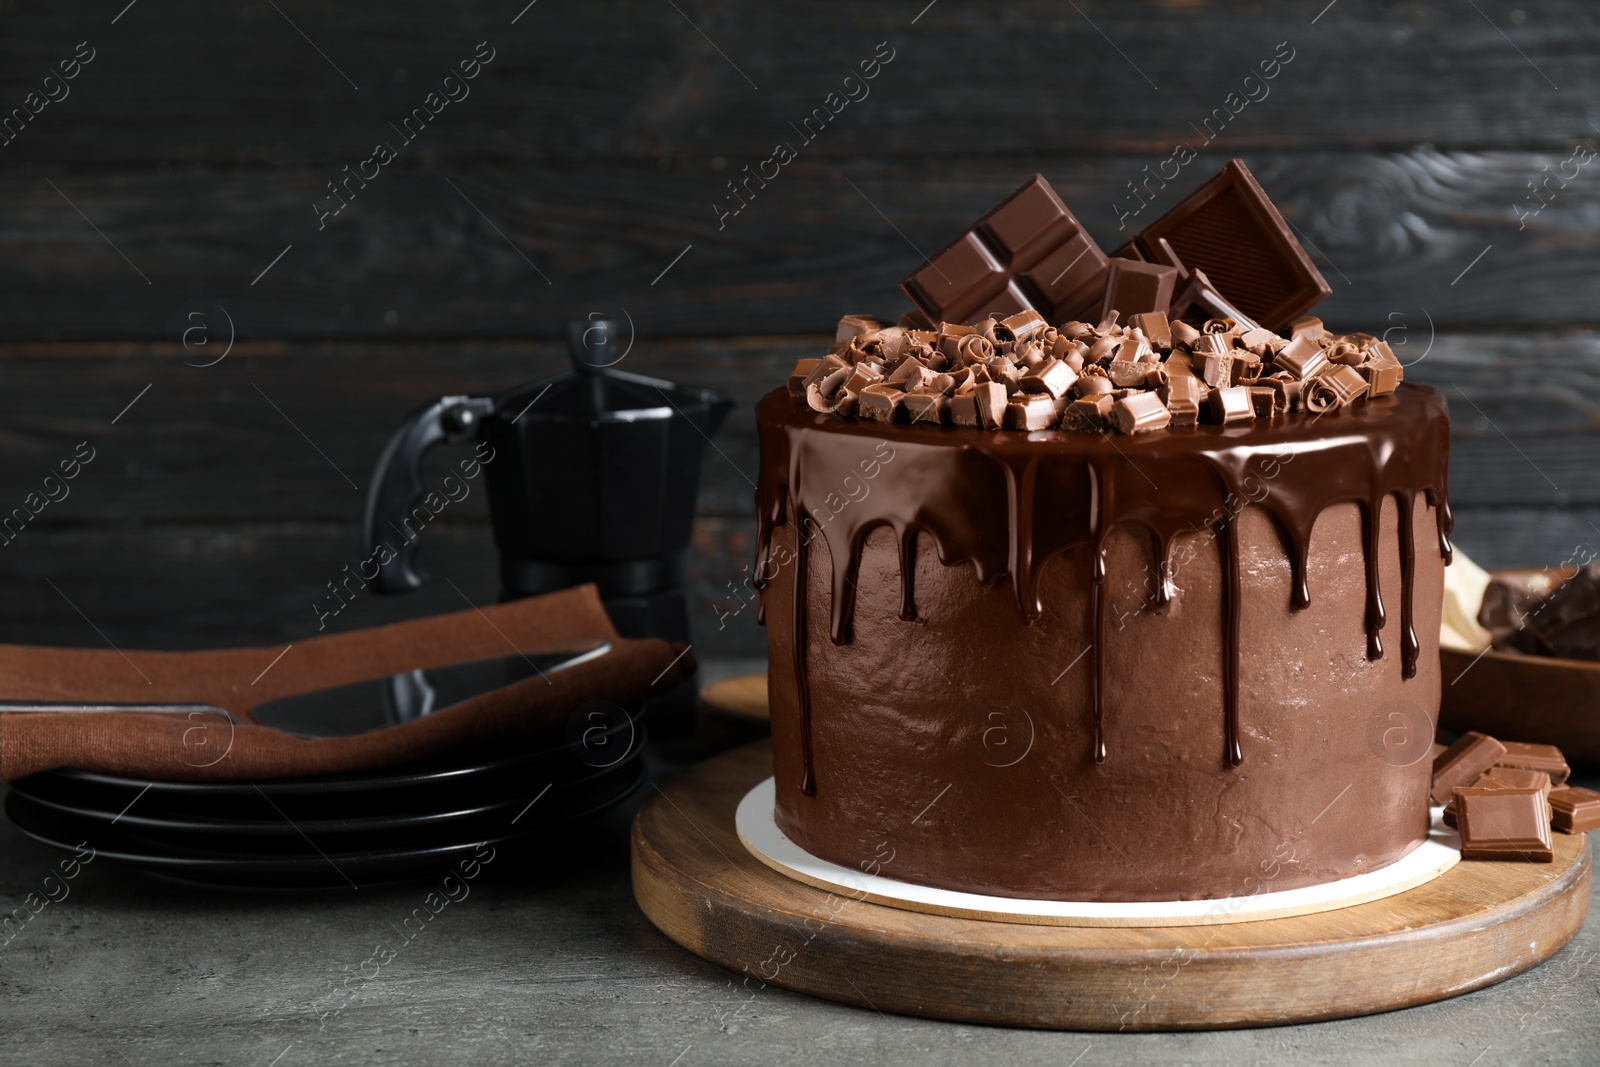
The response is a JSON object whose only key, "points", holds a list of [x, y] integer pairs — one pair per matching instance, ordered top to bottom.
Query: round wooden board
{"points": [[1478, 923]]}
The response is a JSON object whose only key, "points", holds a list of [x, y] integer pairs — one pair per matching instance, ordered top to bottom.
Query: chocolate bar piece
{"points": [[1231, 232], [1029, 253], [1134, 288], [1155, 326], [797, 377], [880, 402], [1230, 404], [927, 408], [1030, 412], [1088, 413], [1140, 413], [1547, 758], [1463, 762], [1518, 778], [1485, 781], [1574, 810], [1503, 824]]}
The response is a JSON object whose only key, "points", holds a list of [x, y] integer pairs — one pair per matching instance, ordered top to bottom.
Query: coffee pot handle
{"points": [[397, 485]]}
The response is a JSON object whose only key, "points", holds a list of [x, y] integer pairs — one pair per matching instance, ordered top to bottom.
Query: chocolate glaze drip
{"points": [[1007, 503]]}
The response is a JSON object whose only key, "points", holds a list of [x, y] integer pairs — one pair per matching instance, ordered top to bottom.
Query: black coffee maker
{"points": [[592, 477]]}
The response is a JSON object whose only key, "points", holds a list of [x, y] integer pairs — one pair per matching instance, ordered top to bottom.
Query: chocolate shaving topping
{"points": [[1185, 329]]}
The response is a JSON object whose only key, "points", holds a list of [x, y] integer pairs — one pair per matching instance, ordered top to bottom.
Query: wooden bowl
{"points": [[1524, 698]]}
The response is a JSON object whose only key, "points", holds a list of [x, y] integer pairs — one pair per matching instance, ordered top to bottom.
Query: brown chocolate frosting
{"points": [[1055, 490]]}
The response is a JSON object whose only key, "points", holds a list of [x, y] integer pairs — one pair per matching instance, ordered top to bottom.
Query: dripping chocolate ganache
{"points": [[1192, 661]]}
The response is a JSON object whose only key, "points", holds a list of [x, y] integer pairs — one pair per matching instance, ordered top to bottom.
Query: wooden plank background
{"points": [[1409, 143]]}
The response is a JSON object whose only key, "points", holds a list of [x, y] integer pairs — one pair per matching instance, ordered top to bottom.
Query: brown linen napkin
{"points": [[529, 713]]}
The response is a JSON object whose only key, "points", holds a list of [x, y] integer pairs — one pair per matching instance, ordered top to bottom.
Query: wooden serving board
{"points": [[1478, 923]]}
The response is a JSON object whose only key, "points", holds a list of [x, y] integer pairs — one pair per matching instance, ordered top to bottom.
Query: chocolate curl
{"points": [[1021, 326], [974, 348], [1334, 389], [828, 394]]}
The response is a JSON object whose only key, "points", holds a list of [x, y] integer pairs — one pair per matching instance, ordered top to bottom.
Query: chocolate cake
{"points": [[1043, 625]]}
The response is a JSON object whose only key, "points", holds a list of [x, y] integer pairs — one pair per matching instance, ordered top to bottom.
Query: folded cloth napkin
{"points": [[527, 714]]}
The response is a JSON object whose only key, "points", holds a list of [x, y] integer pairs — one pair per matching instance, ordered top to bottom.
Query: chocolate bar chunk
{"points": [[1230, 231], [1029, 253], [1134, 288], [1155, 326], [1301, 358], [797, 377], [880, 402], [1230, 404], [1030, 412], [1088, 413], [1140, 413], [1547, 758], [1463, 762], [1518, 778], [1574, 810], [1503, 824]]}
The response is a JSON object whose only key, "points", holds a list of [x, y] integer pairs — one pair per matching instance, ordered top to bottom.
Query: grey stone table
{"points": [[556, 965]]}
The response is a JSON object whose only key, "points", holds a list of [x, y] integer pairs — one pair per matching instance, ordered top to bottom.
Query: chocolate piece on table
{"points": [[1229, 229], [1030, 252], [1134, 288], [1155, 326], [797, 377], [1335, 388], [880, 402], [1230, 404], [1030, 412], [1140, 413], [1436, 750], [1547, 758], [1463, 762], [1518, 778], [1485, 781], [1574, 810], [1503, 824]]}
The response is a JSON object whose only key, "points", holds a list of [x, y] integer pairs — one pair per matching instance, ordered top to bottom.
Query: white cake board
{"points": [[760, 834]]}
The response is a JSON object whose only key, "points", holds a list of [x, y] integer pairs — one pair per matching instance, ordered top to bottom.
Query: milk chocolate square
{"points": [[1547, 758], [1462, 762], [1575, 810], [1503, 824]]}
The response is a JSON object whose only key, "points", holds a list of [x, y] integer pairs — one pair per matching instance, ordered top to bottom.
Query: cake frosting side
{"points": [[1080, 666]]}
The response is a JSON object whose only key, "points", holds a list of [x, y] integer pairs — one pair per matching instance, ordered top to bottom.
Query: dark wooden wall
{"points": [[1401, 140]]}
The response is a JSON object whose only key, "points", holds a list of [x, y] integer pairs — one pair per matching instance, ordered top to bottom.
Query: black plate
{"points": [[417, 790], [268, 822], [310, 870]]}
